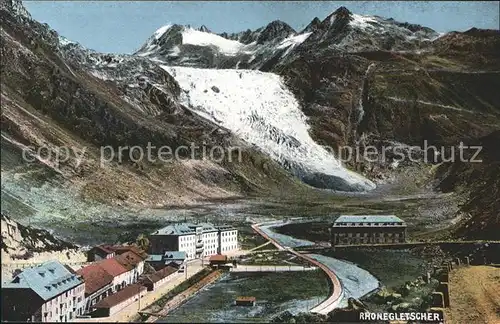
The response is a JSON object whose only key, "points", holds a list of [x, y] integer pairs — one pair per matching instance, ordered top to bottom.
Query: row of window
{"points": [[368, 224], [379, 234], [205, 235], [368, 240], [229, 248], [209, 252], [64, 297]]}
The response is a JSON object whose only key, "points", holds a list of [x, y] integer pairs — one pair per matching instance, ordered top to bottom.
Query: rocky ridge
{"points": [[359, 80]]}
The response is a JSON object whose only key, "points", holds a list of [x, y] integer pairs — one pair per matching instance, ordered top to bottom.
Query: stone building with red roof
{"points": [[100, 252], [134, 264], [104, 278], [158, 278], [98, 284], [116, 302]]}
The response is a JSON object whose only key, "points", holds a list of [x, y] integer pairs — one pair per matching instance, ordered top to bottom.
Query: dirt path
{"points": [[474, 295]]}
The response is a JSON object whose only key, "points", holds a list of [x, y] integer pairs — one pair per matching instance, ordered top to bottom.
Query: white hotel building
{"points": [[197, 240]]}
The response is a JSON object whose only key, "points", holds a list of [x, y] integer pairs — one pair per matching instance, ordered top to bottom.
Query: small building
{"points": [[368, 230], [120, 249], [107, 251], [100, 252], [175, 259], [218, 260], [134, 264], [119, 273], [155, 280], [98, 285], [50, 292], [245, 301], [116, 302]]}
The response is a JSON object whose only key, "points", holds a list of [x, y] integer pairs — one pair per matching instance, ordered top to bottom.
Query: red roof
{"points": [[103, 248], [120, 249], [218, 258], [129, 260], [112, 267], [163, 273], [95, 278], [120, 296]]}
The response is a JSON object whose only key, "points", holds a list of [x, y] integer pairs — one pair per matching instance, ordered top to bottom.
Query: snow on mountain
{"points": [[17, 7], [362, 21], [160, 31], [348, 32], [191, 36], [201, 38], [294, 40], [63, 41], [278, 43], [187, 46], [259, 108]]}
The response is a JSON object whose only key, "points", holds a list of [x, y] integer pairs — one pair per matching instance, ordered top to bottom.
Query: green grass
{"points": [[271, 258], [392, 267], [282, 287], [157, 305]]}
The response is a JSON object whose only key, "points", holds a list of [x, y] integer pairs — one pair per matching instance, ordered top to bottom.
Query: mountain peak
{"points": [[16, 7], [342, 11], [339, 18], [313, 25], [204, 29], [275, 29]]}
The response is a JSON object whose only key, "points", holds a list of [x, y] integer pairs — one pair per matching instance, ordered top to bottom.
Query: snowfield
{"points": [[160, 31], [196, 37], [294, 40], [224, 46], [259, 108]]}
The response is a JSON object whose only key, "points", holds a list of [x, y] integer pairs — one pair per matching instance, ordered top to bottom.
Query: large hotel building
{"points": [[350, 230], [197, 240]]}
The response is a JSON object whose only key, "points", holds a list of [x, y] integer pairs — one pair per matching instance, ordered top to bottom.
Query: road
{"points": [[270, 268], [337, 291], [474, 295]]}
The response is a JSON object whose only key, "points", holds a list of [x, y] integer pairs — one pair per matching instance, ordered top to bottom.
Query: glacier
{"points": [[261, 110]]}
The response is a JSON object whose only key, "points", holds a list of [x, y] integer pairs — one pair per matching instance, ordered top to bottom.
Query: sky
{"points": [[123, 26]]}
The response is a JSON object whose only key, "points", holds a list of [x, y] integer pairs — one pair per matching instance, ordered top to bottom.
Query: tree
{"points": [[142, 241]]}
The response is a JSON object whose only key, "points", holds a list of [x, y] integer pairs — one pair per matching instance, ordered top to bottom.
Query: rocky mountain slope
{"points": [[277, 43], [346, 80], [51, 98], [480, 183], [20, 241], [24, 244]]}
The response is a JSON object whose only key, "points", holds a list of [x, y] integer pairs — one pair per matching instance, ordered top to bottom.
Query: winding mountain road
{"points": [[337, 291]]}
